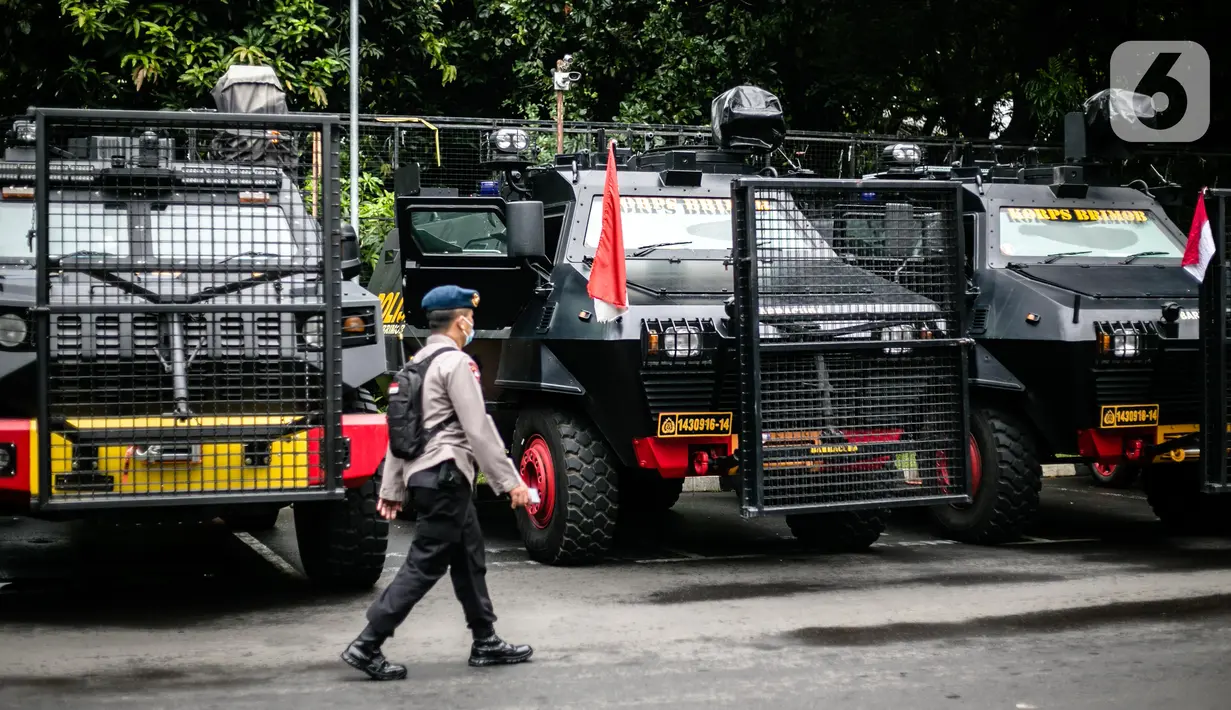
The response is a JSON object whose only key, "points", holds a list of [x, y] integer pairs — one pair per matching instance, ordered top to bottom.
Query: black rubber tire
{"points": [[361, 401], [1122, 476], [1174, 494], [1008, 496], [254, 521], [582, 527], [845, 531], [342, 544]]}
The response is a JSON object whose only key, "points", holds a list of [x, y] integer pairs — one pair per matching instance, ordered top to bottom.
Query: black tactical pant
{"points": [[447, 536]]}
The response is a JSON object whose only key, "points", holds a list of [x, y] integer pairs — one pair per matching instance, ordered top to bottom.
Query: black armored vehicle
{"points": [[1086, 327], [178, 337], [751, 349]]}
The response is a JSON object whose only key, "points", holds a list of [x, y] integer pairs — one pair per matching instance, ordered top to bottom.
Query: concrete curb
{"points": [[709, 484]]}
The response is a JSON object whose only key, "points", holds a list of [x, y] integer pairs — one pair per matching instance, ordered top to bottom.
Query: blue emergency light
{"points": [[489, 188], [867, 196]]}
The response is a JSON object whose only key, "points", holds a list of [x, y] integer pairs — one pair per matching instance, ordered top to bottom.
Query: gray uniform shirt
{"points": [[451, 385]]}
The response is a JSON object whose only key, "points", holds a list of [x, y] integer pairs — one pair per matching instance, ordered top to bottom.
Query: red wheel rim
{"points": [[976, 466], [1103, 470], [538, 472]]}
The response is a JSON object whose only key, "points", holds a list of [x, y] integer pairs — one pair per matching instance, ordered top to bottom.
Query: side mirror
{"points": [[524, 226], [351, 262]]}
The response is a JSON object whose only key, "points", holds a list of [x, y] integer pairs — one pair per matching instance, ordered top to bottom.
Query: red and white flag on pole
{"points": [[1200, 247], [608, 285]]}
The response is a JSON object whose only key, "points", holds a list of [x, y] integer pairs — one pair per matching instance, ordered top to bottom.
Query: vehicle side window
{"points": [[553, 225], [460, 232], [968, 233]]}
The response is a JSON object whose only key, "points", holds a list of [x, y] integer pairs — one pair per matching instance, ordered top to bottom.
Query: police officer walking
{"points": [[459, 434]]}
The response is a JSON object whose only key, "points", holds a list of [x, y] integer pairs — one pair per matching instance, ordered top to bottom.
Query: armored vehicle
{"points": [[1086, 327], [177, 335], [752, 348]]}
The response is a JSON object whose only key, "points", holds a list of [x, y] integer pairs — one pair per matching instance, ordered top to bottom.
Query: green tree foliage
{"points": [[135, 54], [929, 66]]}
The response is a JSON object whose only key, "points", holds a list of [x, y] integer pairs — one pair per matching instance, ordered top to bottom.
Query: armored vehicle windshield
{"points": [[16, 220], [701, 224], [1037, 232]]}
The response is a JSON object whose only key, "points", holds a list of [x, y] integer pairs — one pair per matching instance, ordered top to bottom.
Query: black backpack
{"points": [[405, 410]]}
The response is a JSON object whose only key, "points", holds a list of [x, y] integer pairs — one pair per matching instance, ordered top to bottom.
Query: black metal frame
{"points": [[1214, 301], [750, 346], [332, 445]]}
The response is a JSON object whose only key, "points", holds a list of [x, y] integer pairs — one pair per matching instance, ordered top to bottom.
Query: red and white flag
{"points": [[1200, 247], [608, 285]]}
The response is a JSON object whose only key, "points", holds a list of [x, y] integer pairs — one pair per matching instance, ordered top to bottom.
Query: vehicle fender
{"points": [[363, 363], [531, 366], [986, 372], [537, 376], [991, 383]]}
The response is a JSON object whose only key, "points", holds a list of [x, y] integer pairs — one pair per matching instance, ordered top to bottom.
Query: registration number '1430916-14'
{"points": [[1121, 416], [677, 424]]}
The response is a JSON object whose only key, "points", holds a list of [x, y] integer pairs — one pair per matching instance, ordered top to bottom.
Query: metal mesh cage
{"points": [[848, 303], [188, 307], [1215, 324]]}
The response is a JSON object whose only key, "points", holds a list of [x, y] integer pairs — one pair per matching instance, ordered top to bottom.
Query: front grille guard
{"points": [[170, 371], [853, 386]]}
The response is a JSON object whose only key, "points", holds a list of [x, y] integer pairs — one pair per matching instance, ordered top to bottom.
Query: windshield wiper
{"points": [[646, 249], [81, 253], [251, 254], [1133, 257], [1052, 258]]}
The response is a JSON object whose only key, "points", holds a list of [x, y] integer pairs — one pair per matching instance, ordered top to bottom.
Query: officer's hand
{"points": [[520, 496], [388, 509]]}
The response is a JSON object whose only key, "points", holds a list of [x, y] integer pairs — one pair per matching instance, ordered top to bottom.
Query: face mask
{"points": [[469, 335]]}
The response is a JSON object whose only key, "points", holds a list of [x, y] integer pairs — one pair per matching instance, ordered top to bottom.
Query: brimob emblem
{"points": [[474, 300]]}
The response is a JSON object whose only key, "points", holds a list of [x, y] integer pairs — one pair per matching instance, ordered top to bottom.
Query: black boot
{"points": [[493, 651], [364, 654]]}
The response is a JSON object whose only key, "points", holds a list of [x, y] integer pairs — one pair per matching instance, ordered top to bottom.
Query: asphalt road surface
{"points": [[700, 610]]}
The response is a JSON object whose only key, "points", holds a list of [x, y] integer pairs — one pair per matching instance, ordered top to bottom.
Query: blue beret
{"points": [[447, 298]]}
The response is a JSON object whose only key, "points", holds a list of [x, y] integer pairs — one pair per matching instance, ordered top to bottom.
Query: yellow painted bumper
{"points": [[290, 462]]}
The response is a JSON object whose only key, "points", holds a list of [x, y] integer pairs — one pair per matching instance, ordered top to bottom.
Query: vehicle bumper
{"points": [[1138, 446], [687, 456], [672, 457], [291, 463]]}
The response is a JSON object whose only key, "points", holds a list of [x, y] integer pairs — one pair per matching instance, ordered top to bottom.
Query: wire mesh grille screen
{"points": [[834, 261], [191, 304], [849, 314], [858, 427]]}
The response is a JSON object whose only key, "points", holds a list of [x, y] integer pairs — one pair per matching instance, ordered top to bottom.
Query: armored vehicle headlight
{"points": [[24, 132], [511, 140], [904, 153], [12, 330], [314, 332], [898, 332], [682, 341], [1125, 344]]}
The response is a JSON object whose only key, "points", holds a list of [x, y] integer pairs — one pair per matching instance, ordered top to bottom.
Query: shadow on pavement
{"points": [[143, 577]]}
